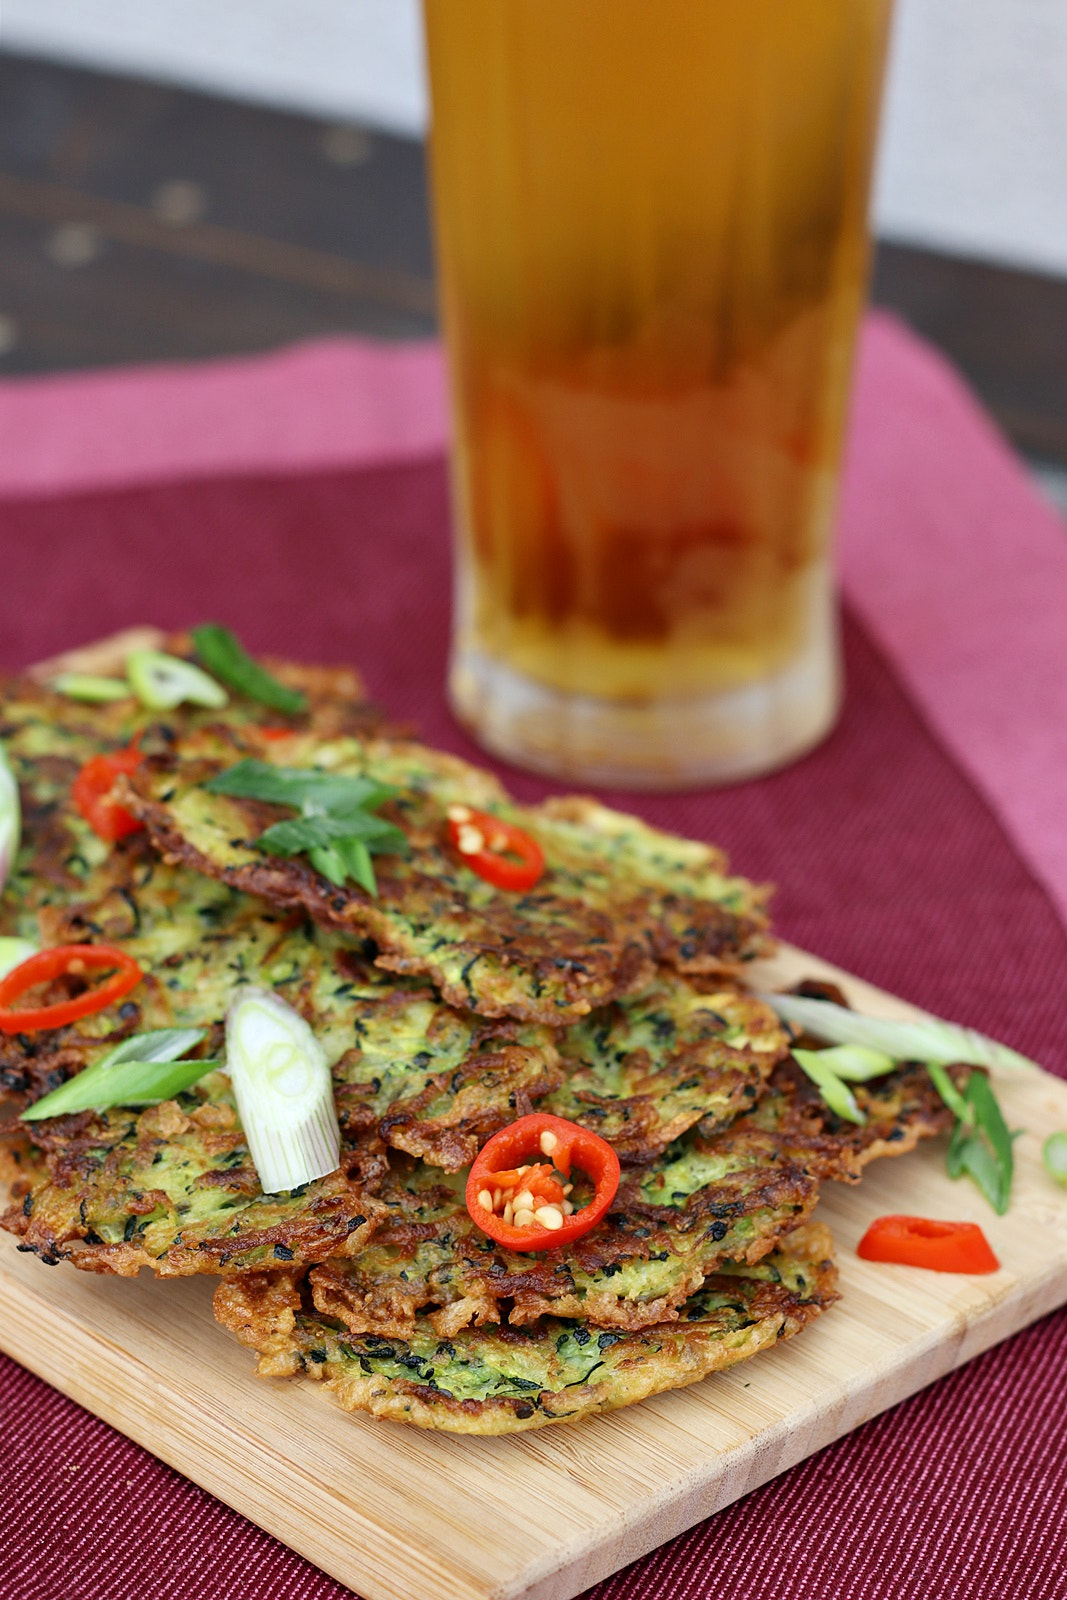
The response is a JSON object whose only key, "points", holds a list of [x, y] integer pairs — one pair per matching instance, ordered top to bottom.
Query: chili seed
{"points": [[459, 813], [471, 841], [549, 1142], [485, 1199], [523, 1201], [549, 1217], [524, 1218]]}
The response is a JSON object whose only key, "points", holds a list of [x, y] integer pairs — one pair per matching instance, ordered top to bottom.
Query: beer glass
{"points": [[652, 248]]}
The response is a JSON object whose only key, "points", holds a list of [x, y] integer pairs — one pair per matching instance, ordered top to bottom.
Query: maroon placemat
{"points": [[888, 863]]}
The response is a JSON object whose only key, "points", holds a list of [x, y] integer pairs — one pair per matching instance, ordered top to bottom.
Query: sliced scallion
{"points": [[224, 655], [162, 682], [87, 686], [10, 818], [13, 952], [927, 1039], [142, 1070], [284, 1091], [837, 1094], [981, 1142], [1054, 1155]]}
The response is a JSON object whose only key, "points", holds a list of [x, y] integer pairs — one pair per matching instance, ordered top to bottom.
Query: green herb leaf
{"points": [[224, 655], [162, 682], [86, 686], [298, 787], [336, 827], [305, 833], [929, 1039], [142, 1070], [838, 1095], [1054, 1155]]}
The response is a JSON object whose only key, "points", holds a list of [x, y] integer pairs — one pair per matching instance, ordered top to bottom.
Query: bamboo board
{"points": [[398, 1514]]}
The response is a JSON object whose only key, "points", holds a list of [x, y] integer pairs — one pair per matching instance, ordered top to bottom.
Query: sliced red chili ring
{"points": [[92, 789], [497, 851], [65, 960], [511, 1167], [923, 1242]]}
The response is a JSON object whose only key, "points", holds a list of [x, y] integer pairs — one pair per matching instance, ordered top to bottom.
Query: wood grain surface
{"points": [[399, 1514]]}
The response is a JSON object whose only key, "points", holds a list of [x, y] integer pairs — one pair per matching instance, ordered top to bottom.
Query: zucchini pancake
{"points": [[572, 1161]]}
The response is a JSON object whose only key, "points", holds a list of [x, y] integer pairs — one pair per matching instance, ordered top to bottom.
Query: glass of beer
{"points": [[652, 247]]}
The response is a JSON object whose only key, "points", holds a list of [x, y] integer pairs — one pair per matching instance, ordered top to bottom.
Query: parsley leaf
{"points": [[336, 827]]}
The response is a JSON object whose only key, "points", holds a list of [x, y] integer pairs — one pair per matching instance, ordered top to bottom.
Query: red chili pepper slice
{"points": [[275, 732], [92, 788], [497, 851], [62, 961], [498, 1171], [921, 1242]]}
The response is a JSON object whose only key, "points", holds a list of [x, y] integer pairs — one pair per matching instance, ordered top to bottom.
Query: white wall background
{"points": [[974, 157]]}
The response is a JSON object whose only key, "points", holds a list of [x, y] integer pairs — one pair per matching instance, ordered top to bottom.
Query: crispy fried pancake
{"points": [[47, 737], [617, 896], [643, 1070], [173, 1188], [726, 1195], [506, 1380]]}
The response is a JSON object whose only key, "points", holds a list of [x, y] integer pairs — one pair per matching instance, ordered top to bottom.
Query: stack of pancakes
{"points": [[609, 994]]}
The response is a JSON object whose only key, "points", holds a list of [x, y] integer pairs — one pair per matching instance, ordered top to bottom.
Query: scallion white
{"points": [[162, 682], [10, 818], [928, 1039], [284, 1091]]}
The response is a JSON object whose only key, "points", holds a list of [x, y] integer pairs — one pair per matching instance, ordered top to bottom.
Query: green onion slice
{"points": [[224, 655], [162, 682], [86, 686], [10, 818], [13, 952], [928, 1039], [854, 1062], [142, 1070], [284, 1091], [838, 1095], [981, 1143], [1054, 1155]]}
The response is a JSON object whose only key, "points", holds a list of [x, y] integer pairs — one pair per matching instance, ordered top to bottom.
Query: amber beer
{"points": [[651, 228]]}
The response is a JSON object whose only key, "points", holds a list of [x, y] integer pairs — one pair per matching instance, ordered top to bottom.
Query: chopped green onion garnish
{"points": [[224, 655], [162, 682], [86, 686], [10, 818], [13, 952], [928, 1039], [854, 1062], [142, 1070], [284, 1091], [838, 1095], [981, 1143], [1054, 1155]]}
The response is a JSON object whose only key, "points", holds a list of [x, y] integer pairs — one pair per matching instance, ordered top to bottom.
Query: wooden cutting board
{"points": [[398, 1514]]}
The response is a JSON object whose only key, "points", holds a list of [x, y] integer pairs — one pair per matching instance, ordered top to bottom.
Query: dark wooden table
{"points": [[141, 222]]}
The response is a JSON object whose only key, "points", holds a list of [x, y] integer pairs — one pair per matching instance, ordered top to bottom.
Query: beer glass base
{"points": [[673, 744]]}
